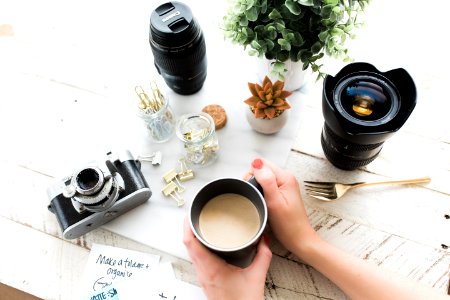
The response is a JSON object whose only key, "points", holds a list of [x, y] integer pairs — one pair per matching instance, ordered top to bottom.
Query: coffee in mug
{"points": [[228, 216], [229, 221]]}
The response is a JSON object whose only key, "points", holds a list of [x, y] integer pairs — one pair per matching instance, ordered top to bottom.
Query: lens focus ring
{"points": [[176, 63], [346, 155]]}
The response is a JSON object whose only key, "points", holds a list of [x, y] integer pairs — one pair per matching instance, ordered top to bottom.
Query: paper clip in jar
{"points": [[157, 114], [199, 138]]}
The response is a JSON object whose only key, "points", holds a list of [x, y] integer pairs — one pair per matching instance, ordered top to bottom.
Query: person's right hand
{"points": [[287, 214]]}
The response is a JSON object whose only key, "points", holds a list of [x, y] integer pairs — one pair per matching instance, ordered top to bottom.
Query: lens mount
{"points": [[366, 99]]}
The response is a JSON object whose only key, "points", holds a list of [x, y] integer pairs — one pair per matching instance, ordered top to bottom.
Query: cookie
{"points": [[217, 113]]}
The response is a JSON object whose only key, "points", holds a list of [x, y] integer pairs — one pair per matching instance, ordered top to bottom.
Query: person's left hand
{"points": [[221, 280]]}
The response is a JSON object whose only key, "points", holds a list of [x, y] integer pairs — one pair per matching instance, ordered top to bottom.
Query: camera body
{"points": [[362, 108], [97, 193]]}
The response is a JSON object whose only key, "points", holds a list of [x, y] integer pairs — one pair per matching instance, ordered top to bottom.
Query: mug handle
{"points": [[255, 183]]}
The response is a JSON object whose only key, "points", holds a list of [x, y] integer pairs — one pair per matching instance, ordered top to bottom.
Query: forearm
{"points": [[360, 279]]}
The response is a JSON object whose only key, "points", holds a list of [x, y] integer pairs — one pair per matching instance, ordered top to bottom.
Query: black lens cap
{"points": [[172, 25]]}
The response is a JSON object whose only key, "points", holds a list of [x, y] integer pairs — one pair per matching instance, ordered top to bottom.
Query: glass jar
{"points": [[161, 124], [200, 143]]}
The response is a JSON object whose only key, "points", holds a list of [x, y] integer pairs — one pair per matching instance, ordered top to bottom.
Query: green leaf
{"points": [[306, 2], [331, 2], [264, 6], [293, 7], [336, 9], [325, 12], [252, 14], [274, 14], [243, 21], [279, 25], [270, 31], [288, 35], [323, 36], [297, 40], [270, 44], [284, 44], [255, 45], [316, 47], [253, 52], [283, 55], [305, 65], [278, 66]]}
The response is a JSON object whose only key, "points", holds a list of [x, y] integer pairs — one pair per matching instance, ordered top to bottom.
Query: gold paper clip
{"points": [[145, 101], [148, 105], [196, 135], [185, 174], [171, 176], [172, 190]]}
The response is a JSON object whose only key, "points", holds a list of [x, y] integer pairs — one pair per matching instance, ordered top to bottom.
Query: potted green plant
{"points": [[293, 30], [267, 112]]}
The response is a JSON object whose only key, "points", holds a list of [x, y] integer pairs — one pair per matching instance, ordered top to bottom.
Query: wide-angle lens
{"points": [[362, 108]]}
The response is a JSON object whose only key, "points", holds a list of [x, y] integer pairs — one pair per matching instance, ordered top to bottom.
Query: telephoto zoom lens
{"points": [[178, 47], [362, 108]]}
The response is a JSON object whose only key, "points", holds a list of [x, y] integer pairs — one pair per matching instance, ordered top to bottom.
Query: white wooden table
{"points": [[58, 58]]}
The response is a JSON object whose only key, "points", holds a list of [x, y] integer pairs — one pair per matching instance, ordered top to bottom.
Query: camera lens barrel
{"points": [[178, 47], [362, 108], [347, 155], [89, 181]]}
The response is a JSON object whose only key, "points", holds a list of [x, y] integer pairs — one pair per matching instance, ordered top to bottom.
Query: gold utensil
{"points": [[329, 191]]}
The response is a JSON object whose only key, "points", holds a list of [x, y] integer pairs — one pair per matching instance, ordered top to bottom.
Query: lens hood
{"points": [[398, 87]]}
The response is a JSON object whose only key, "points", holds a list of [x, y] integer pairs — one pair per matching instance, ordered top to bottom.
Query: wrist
{"points": [[308, 248]]}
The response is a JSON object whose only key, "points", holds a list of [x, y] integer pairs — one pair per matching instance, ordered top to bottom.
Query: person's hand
{"points": [[287, 214], [221, 280]]}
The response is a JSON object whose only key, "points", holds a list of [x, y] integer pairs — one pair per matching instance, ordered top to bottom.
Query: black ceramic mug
{"points": [[219, 191]]}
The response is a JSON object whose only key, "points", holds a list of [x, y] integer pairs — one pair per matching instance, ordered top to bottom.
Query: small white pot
{"points": [[294, 78], [266, 126]]}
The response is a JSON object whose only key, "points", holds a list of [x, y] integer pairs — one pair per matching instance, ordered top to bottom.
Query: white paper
{"points": [[107, 265], [115, 273], [159, 289]]}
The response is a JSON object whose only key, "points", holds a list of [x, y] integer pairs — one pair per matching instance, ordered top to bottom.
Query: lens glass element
{"points": [[366, 99], [87, 179]]}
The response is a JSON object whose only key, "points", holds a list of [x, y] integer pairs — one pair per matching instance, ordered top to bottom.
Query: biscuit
{"points": [[217, 113]]}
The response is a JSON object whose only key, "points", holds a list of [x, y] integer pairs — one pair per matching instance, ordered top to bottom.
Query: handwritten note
{"points": [[108, 264], [120, 274]]}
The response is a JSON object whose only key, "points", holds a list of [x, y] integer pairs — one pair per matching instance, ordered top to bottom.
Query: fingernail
{"points": [[257, 163]]}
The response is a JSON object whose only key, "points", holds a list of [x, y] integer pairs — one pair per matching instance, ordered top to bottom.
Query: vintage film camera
{"points": [[98, 193]]}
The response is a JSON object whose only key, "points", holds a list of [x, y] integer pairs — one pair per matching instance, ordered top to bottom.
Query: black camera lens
{"points": [[178, 47], [362, 108], [89, 181]]}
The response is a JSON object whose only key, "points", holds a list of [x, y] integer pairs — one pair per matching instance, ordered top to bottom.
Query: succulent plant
{"points": [[269, 100]]}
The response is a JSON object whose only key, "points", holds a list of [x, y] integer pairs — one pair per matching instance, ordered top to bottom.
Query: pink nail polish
{"points": [[257, 163]]}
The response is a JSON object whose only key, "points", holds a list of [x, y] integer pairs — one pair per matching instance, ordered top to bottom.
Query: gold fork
{"points": [[329, 191]]}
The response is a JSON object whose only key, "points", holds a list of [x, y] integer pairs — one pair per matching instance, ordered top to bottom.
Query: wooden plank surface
{"points": [[51, 69], [63, 261]]}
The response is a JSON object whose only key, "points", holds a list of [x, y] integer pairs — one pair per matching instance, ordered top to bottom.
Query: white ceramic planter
{"points": [[295, 77], [266, 126]]}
